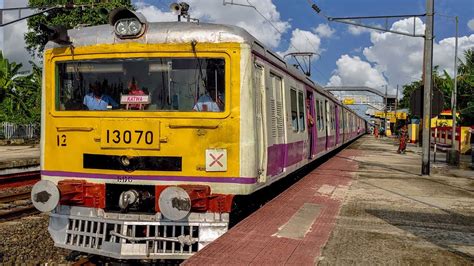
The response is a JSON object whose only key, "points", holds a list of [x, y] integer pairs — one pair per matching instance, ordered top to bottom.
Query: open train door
{"points": [[260, 114], [328, 122], [338, 122], [312, 131]]}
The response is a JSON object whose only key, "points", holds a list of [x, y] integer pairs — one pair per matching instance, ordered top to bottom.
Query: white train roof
{"points": [[161, 32]]}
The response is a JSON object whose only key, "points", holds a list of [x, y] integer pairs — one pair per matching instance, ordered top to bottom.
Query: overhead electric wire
{"points": [[281, 33]]}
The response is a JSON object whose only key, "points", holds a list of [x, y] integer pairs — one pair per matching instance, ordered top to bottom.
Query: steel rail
{"points": [[9, 179], [14, 197], [18, 213]]}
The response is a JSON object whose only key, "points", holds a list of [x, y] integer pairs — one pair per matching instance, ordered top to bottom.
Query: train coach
{"points": [[149, 131]]}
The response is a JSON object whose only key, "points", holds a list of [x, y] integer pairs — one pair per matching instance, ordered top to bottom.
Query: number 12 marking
{"points": [[61, 140]]}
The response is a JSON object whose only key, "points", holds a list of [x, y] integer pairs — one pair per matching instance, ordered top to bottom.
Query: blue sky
{"points": [[302, 16], [349, 56]]}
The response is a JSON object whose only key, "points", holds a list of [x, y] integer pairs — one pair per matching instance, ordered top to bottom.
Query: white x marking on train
{"points": [[216, 160]]}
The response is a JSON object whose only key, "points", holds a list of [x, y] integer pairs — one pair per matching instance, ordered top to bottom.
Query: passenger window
{"points": [[151, 84], [294, 110], [301, 111], [318, 112], [323, 123]]}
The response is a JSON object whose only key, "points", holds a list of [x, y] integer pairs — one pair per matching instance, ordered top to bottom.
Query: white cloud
{"points": [[154, 14], [245, 17], [470, 24], [323, 30], [354, 30], [303, 41], [14, 42], [13, 46], [444, 52], [398, 58], [353, 71]]}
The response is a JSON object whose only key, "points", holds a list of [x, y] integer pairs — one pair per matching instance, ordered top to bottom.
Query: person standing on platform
{"points": [[376, 131], [403, 133], [472, 147]]}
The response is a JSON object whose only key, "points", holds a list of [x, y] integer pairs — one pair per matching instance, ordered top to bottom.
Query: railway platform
{"points": [[19, 157], [365, 205]]}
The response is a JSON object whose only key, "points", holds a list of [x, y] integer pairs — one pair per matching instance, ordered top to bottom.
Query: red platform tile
{"points": [[255, 240]]}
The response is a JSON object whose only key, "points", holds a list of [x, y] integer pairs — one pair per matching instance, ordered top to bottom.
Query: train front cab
{"points": [[97, 158]]}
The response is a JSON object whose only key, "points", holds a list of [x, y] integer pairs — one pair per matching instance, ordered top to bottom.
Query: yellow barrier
{"points": [[413, 130]]}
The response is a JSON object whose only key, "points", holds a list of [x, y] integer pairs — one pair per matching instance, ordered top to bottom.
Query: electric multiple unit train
{"points": [[149, 131]]}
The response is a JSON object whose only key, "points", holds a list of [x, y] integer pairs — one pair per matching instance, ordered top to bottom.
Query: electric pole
{"points": [[427, 88], [396, 106], [385, 114], [453, 152]]}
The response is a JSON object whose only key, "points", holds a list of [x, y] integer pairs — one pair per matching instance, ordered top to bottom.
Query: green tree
{"points": [[90, 15], [8, 74], [442, 83], [445, 83], [408, 89], [21, 94], [465, 95]]}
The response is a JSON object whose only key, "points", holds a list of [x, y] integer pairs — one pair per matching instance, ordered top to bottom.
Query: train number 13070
{"points": [[129, 136]]}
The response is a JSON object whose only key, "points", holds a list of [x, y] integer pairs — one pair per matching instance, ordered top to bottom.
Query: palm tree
{"points": [[8, 74], [8, 85], [20, 95], [465, 95]]}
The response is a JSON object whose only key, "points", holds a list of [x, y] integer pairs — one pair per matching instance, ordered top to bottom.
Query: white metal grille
{"points": [[274, 118], [87, 234]]}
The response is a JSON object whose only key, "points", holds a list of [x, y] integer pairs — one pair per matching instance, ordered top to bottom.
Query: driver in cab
{"points": [[97, 100], [207, 102]]}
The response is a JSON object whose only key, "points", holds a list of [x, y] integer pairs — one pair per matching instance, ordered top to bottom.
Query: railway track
{"points": [[19, 179], [14, 197], [24, 208], [17, 213]]}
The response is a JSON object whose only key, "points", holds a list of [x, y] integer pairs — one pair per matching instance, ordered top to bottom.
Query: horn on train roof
{"points": [[57, 34]]}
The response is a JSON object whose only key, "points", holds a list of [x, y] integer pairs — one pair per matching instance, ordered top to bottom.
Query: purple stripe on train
{"points": [[321, 144], [294, 153], [284, 155], [276, 159], [235, 180]]}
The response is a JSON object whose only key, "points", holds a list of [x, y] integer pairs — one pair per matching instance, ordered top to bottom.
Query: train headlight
{"points": [[127, 23], [128, 27], [175, 203]]}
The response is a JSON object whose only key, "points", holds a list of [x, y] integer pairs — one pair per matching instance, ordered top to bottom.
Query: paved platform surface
{"points": [[19, 156], [366, 205]]}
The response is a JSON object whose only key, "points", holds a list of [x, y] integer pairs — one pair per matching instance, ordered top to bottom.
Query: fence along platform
{"points": [[10, 131]]}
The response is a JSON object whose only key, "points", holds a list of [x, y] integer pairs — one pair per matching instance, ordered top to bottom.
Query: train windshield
{"points": [[144, 84]]}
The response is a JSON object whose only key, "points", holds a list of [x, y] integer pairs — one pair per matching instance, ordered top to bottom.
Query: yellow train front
{"points": [[139, 129]]}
